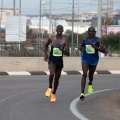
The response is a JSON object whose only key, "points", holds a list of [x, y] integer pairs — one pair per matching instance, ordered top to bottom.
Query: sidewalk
{"points": [[63, 72]]}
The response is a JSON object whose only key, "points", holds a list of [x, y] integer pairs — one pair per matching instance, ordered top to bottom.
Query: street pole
{"points": [[14, 7], [20, 7], [107, 9], [1, 14], [99, 18], [50, 20], [1, 21], [99, 22], [78, 23], [20, 26], [39, 40], [72, 52]]}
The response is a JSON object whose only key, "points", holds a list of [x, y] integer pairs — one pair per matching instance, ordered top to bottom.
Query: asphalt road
{"points": [[22, 98]]}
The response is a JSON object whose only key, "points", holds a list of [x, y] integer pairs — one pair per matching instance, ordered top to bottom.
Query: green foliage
{"points": [[68, 34], [81, 36], [111, 42]]}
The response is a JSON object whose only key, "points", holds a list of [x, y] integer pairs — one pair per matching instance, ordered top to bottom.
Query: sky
{"points": [[58, 6]]}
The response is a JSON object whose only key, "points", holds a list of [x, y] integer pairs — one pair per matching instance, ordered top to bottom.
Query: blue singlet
{"points": [[90, 55]]}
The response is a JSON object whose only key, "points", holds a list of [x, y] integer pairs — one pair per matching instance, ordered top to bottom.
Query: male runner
{"points": [[59, 46], [89, 48]]}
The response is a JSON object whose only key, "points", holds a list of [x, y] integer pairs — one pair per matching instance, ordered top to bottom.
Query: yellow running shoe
{"points": [[90, 89], [48, 92], [82, 96], [53, 98]]}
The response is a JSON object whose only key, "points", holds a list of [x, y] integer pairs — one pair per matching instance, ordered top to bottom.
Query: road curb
{"points": [[63, 72]]}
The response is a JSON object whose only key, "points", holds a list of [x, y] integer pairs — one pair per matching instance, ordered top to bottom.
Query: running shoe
{"points": [[90, 89], [48, 92], [82, 96], [53, 98]]}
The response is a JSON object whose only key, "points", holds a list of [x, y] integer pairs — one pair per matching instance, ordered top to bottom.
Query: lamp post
{"points": [[14, 7], [20, 7], [1, 14], [99, 18], [50, 20], [1, 21], [99, 22], [78, 23], [72, 27], [39, 40]]}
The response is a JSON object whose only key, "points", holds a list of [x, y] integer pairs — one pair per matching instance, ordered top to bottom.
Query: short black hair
{"points": [[59, 26], [91, 28]]}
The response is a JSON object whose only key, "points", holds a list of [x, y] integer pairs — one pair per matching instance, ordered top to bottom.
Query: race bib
{"points": [[90, 49], [57, 52]]}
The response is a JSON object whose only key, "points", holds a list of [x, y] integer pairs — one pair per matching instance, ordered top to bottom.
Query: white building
{"points": [[45, 24]]}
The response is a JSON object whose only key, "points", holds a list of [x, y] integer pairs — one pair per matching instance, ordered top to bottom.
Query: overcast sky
{"points": [[58, 6]]}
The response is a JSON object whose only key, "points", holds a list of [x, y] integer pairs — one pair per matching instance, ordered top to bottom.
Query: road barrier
{"points": [[38, 64]]}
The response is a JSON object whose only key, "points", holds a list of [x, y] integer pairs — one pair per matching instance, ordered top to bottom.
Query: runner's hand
{"points": [[92, 44], [82, 49], [46, 58]]}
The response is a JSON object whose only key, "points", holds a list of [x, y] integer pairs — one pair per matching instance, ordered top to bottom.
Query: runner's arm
{"points": [[82, 46], [101, 48], [46, 49], [66, 49]]}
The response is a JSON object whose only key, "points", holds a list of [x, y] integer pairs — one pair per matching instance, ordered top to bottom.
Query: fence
{"points": [[27, 49]]}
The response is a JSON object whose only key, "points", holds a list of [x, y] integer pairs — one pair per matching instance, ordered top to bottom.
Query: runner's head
{"points": [[59, 30], [91, 32]]}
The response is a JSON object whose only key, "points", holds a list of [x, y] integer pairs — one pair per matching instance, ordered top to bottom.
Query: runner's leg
{"points": [[85, 67], [52, 70], [91, 73], [56, 80]]}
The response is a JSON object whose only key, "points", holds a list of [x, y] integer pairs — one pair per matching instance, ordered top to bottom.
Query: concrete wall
{"points": [[38, 64]]}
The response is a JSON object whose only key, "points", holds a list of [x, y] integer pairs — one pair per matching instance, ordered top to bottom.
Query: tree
{"points": [[111, 42]]}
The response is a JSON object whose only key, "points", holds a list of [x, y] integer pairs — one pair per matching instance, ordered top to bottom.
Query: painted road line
{"points": [[82, 72], [114, 72], [19, 73], [62, 73], [73, 105]]}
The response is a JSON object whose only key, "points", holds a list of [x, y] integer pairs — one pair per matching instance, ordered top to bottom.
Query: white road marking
{"points": [[47, 72], [82, 72], [114, 72], [19, 73], [62, 73], [16, 95], [73, 105]]}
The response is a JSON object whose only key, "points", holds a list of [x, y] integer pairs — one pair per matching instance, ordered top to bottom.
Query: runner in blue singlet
{"points": [[58, 47], [89, 48]]}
